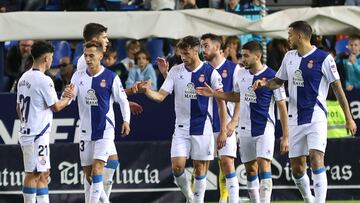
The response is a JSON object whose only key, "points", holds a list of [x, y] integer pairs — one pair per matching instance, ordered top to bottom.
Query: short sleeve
{"points": [[81, 63], [329, 69], [282, 72], [236, 77], [216, 80], [168, 84], [118, 90], [48, 92], [279, 93]]}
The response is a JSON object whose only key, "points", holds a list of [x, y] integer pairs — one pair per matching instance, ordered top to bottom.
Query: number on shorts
{"points": [[24, 107], [82, 145], [43, 150]]}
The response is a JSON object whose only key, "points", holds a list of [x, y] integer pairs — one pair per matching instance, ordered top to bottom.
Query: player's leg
{"points": [[317, 140], [247, 145], [102, 148], [86, 149], [180, 149], [265, 150], [298, 150], [202, 151], [227, 155], [109, 170], [265, 179], [222, 185], [29, 188], [42, 191]]}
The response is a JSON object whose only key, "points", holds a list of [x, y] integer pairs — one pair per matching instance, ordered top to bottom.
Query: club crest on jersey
{"points": [[310, 64], [224, 73], [201, 78], [298, 80], [103, 83], [190, 91], [250, 95], [91, 98], [42, 160]]}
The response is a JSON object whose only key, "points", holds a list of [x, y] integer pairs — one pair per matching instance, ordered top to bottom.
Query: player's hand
{"points": [[352, 58], [163, 65], [259, 84], [143, 86], [349, 88], [69, 91], [205, 91], [135, 108], [230, 127], [351, 127], [125, 129], [221, 140], [284, 144]]}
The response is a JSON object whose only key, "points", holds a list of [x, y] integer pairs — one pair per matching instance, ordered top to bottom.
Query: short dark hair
{"points": [[302, 27], [92, 30], [212, 37], [354, 37], [132, 42], [188, 42], [96, 44], [41, 47], [253, 47], [110, 50], [142, 51]]}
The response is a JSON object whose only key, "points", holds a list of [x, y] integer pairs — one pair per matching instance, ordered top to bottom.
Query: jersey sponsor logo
{"points": [[310, 64], [224, 73], [201, 78], [298, 80], [103, 83], [190, 91], [250, 95], [91, 98]]}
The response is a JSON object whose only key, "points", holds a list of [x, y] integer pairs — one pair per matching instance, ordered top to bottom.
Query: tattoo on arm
{"points": [[340, 95]]}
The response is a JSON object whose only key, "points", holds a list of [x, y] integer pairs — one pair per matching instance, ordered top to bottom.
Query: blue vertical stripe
{"points": [[311, 68], [102, 84], [259, 111]]}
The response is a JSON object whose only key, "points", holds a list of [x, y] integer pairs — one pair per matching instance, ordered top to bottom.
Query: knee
{"points": [[316, 159], [227, 164], [97, 167], [200, 168], [177, 169], [44, 177]]}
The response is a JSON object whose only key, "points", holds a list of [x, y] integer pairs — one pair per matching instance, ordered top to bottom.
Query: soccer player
{"points": [[98, 32], [211, 50], [309, 71], [96, 89], [36, 102], [256, 122], [193, 134]]}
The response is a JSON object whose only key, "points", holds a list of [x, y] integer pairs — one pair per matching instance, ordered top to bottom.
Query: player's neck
{"points": [[304, 48], [215, 62], [195, 64], [40, 66], [257, 68], [95, 70]]}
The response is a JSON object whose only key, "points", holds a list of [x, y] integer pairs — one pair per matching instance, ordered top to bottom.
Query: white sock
{"points": [[109, 172], [303, 184], [320, 184], [184, 185], [232, 186], [96, 188], [253, 188], [199, 189], [86, 190], [265, 190], [29, 195], [42, 195], [103, 197]]}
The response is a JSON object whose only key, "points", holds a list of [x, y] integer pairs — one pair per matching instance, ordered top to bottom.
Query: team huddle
{"points": [[213, 99]]}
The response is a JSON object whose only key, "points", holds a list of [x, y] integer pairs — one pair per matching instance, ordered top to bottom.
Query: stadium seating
{"points": [[341, 46], [62, 49]]}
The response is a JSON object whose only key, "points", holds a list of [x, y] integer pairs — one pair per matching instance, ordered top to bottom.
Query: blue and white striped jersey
{"points": [[228, 72], [309, 77], [96, 95], [256, 107], [193, 112]]}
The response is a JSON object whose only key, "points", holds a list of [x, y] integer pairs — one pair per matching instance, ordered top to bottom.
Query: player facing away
{"points": [[98, 32], [211, 50], [309, 72], [96, 89], [36, 102], [257, 121], [193, 136]]}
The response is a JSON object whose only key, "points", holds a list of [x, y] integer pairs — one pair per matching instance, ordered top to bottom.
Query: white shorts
{"points": [[308, 136], [259, 146], [198, 147], [230, 147], [98, 149], [36, 153]]}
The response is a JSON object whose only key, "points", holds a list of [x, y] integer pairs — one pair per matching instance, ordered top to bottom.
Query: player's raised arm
{"points": [[163, 66], [271, 84]]}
